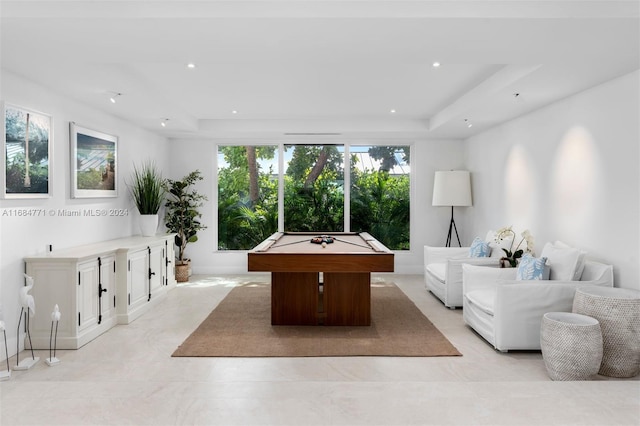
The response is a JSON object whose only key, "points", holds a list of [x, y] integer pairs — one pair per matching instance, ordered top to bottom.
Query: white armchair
{"points": [[443, 268], [443, 271], [508, 313]]}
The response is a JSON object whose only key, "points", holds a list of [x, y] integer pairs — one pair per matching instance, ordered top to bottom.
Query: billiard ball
{"points": [[324, 245]]}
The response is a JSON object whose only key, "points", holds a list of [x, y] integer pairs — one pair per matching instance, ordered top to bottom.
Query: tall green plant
{"points": [[147, 188], [183, 216]]}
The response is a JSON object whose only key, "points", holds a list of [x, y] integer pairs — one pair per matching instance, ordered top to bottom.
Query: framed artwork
{"points": [[27, 153], [94, 170]]}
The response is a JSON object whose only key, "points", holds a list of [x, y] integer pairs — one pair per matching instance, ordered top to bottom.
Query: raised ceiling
{"points": [[319, 66]]}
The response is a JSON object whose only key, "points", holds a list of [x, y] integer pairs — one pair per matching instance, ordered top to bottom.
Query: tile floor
{"points": [[127, 377]]}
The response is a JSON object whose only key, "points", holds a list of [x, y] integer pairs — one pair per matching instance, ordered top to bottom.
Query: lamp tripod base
{"points": [[452, 228], [5, 375]]}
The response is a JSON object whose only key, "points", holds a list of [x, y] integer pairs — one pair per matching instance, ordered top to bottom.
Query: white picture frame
{"points": [[27, 153], [93, 163]]}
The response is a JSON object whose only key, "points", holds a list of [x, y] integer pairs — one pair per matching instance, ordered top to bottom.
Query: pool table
{"points": [[299, 296]]}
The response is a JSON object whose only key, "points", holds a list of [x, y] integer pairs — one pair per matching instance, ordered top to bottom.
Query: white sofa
{"points": [[508, 313]]}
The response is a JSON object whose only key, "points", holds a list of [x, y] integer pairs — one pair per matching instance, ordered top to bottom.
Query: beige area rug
{"points": [[240, 326]]}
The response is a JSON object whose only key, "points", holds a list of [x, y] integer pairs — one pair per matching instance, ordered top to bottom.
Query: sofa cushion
{"points": [[479, 248], [581, 259], [563, 261], [532, 268], [438, 270], [484, 299]]}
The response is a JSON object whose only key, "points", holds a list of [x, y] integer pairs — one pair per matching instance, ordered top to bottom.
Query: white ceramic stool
{"points": [[618, 311], [571, 345]]}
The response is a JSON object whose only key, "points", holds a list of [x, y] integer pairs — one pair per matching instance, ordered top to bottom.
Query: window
{"points": [[314, 188], [380, 193], [247, 195], [315, 195]]}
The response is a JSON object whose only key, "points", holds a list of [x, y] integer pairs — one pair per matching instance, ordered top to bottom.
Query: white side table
{"points": [[618, 311], [571, 345]]}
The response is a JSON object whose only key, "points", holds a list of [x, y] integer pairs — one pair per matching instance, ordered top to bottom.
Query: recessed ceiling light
{"points": [[436, 64], [191, 65], [114, 96], [393, 111], [234, 112], [467, 122], [163, 123]]}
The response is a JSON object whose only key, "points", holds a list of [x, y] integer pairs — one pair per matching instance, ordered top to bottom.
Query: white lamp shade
{"points": [[452, 188]]}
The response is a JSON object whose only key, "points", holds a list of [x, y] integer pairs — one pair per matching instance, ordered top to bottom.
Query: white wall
{"points": [[567, 172], [429, 224], [25, 236]]}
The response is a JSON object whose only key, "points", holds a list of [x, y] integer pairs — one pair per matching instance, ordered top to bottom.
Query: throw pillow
{"points": [[479, 248], [581, 259], [563, 262], [531, 268]]}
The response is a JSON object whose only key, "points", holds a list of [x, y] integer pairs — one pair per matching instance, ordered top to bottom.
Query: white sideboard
{"points": [[97, 286]]}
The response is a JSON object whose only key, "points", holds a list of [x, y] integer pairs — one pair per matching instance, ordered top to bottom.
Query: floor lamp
{"points": [[452, 188]]}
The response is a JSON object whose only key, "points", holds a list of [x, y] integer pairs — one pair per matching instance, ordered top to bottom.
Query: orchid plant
{"points": [[512, 255]]}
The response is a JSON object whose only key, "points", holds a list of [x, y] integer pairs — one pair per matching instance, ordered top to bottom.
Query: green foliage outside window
{"points": [[313, 194], [380, 206], [316, 209], [243, 220]]}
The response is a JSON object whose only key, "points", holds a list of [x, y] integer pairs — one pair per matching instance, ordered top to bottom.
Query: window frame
{"points": [[280, 144]]}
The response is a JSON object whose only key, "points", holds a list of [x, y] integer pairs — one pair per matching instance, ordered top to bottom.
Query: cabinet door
{"points": [[157, 268], [138, 272], [56, 283], [87, 294], [107, 299]]}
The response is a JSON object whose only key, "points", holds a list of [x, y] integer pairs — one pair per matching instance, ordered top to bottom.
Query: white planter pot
{"points": [[148, 224]]}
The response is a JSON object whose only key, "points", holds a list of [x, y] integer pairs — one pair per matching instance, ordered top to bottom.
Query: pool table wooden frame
{"points": [[344, 295]]}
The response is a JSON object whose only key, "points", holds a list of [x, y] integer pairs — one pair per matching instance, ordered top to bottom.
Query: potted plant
{"points": [[148, 190], [183, 217], [511, 256]]}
